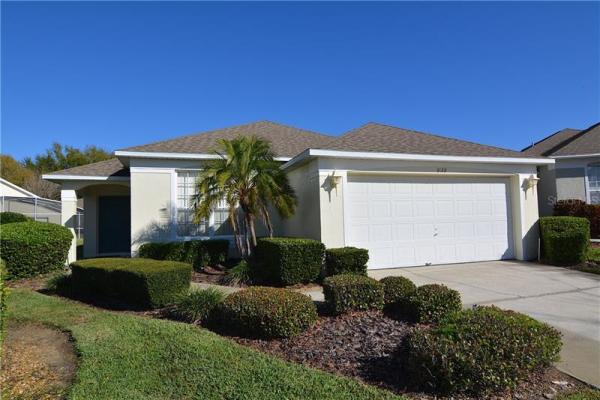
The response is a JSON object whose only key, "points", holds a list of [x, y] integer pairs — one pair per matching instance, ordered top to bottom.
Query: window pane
{"points": [[594, 177], [186, 190], [595, 197]]}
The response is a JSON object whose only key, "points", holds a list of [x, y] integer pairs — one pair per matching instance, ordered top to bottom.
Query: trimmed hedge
{"points": [[578, 208], [8, 217], [565, 240], [33, 248], [199, 253], [346, 260], [287, 261], [139, 282], [351, 292], [398, 292], [3, 295], [431, 303], [267, 312], [480, 351]]}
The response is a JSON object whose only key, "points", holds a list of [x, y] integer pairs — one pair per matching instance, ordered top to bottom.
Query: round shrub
{"points": [[8, 217], [565, 240], [33, 248], [346, 260], [351, 292], [398, 292], [431, 303], [198, 306], [267, 312], [480, 351]]}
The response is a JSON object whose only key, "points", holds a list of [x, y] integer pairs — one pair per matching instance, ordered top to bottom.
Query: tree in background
{"points": [[28, 174]]}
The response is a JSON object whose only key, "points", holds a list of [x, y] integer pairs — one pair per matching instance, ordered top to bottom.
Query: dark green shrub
{"points": [[578, 208], [8, 217], [565, 240], [33, 248], [199, 253], [346, 260], [287, 261], [239, 274], [139, 282], [351, 292], [398, 292], [3, 295], [431, 303], [198, 306], [267, 312], [480, 351]]}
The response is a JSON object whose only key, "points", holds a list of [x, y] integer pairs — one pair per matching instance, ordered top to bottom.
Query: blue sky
{"points": [[120, 74]]}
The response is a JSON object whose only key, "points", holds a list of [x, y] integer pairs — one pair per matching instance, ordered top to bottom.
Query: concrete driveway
{"points": [[566, 299]]}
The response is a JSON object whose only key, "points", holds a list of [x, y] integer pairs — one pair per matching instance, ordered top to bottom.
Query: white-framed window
{"points": [[593, 183], [217, 225]]}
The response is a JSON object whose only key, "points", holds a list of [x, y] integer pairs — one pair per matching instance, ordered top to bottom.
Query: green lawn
{"points": [[594, 254], [128, 357]]}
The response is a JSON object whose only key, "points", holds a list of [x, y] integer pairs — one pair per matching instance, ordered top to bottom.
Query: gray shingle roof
{"points": [[374, 137], [286, 141], [568, 142], [549, 144], [111, 167]]}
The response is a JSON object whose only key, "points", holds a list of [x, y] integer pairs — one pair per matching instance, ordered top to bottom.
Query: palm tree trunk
{"points": [[267, 218]]}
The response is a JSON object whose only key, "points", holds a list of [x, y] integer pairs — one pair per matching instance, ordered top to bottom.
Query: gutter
{"points": [[311, 153]]}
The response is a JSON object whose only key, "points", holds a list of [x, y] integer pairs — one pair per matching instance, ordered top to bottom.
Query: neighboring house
{"points": [[576, 172], [14, 198], [410, 198]]}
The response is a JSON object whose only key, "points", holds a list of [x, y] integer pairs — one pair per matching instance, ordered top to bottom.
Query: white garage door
{"points": [[408, 221]]}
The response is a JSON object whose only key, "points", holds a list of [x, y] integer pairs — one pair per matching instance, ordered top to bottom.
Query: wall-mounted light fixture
{"points": [[336, 180], [531, 182]]}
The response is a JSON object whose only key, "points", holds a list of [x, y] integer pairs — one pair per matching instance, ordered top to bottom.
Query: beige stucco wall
{"points": [[331, 204], [151, 207], [306, 221]]}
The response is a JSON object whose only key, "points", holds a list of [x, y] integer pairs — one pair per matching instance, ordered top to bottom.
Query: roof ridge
{"points": [[263, 121], [434, 135], [551, 135]]}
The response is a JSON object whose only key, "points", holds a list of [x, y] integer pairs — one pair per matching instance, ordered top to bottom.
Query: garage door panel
{"points": [[407, 221]]}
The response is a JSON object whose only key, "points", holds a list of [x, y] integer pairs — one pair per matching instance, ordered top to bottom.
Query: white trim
{"points": [[177, 156], [578, 156], [412, 157], [423, 173], [84, 178], [18, 188], [588, 192]]}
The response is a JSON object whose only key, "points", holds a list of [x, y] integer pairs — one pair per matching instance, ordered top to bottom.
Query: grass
{"points": [[594, 255], [130, 357], [585, 394]]}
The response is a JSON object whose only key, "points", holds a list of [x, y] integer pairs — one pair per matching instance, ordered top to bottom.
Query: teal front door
{"points": [[114, 224]]}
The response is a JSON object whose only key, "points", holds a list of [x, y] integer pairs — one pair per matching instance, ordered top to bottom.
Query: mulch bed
{"points": [[361, 345]]}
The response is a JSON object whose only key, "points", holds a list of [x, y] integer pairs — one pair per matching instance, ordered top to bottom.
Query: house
{"points": [[576, 171], [409, 197], [14, 198]]}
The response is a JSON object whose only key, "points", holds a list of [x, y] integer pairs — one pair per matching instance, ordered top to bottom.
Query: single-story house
{"points": [[576, 171], [14, 198], [410, 198]]}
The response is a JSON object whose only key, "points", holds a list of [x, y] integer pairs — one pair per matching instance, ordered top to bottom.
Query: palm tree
{"points": [[250, 180]]}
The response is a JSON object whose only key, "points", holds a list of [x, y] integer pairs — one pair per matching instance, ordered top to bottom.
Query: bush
{"points": [[578, 208], [8, 217], [565, 240], [33, 248], [199, 253], [346, 260], [287, 261], [240, 274], [135, 281], [60, 284], [351, 292], [398, 292], [3, 295], [431, 303], [198, 306], [266, 312], [480, 351]]}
